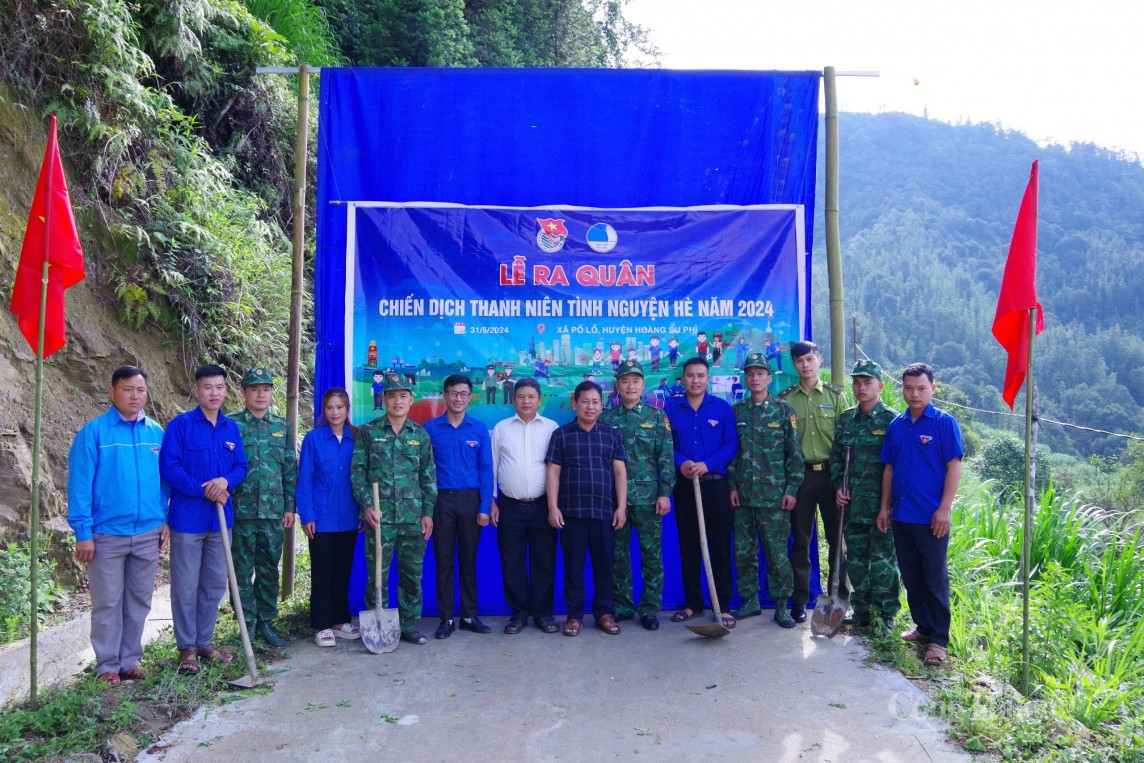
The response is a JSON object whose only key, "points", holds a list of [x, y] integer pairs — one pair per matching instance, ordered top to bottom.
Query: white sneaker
{"points": [[347, 631], [325, 638]]}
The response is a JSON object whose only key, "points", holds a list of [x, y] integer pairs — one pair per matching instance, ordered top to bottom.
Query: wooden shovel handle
{"points": [[377, 548], [706, 552]]}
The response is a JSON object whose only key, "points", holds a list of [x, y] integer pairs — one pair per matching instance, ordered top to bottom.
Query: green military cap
{"points": [[757, 360], [629, 367], [867, 368], [257, 375], [394, 382]]}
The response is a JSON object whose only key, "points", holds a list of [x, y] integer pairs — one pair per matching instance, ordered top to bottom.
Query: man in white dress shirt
{"points": [[520, 512]]}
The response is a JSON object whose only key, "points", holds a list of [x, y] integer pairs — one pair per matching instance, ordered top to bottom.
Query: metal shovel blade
{"points": [[829, 612], [380, 629], [710, 630], [246, 682]]}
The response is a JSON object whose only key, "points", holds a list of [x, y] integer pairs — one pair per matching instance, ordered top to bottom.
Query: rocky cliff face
{"points": [[77, 378]]}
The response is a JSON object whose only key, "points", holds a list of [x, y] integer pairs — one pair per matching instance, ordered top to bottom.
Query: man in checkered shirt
{"points": [[587, 487]]}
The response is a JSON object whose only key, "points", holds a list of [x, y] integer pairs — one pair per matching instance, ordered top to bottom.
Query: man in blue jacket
{"points": [[202, 461], [117, 507]]}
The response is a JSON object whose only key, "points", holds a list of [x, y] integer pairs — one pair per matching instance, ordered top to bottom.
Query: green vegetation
{"points": [[924, 245], [16, 589], [85, 715]]}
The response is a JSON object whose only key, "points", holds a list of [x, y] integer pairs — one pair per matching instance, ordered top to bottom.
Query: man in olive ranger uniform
{"points": [[818, 405], [396, 453], [651, 476], [765, 477], [263, 504], [871, 560]]}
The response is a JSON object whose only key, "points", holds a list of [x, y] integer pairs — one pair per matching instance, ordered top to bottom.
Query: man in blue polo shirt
{"points": [[705, 442], [922, 452], [464, 458], [202, 460], [587, 487]]}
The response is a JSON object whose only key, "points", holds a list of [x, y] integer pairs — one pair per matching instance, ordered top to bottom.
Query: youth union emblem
{"points": [[552, 235]]}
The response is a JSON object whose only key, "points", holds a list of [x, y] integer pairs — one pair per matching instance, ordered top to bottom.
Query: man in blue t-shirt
{"points": [[922, 452]]}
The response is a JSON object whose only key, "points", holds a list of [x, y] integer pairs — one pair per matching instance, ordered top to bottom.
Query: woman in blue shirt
{"points": [[329, 517]]}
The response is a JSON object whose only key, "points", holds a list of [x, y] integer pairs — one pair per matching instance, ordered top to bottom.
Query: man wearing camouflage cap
{"points": [[396, 453], [651, 477], [765, 477], [263, 504], [871, 560]]}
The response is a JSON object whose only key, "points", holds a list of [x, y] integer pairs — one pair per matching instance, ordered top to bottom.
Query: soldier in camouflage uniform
{"points": [[395, 452], [651, 477], [765, 477], [263, 504], [872, 562]]}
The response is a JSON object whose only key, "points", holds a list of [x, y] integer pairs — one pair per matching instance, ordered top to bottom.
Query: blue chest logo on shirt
{"points": [[713, 422], [925, 438], [472, 443], [230, 445]]}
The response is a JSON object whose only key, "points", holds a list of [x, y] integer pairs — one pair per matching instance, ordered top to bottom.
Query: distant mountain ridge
{"points": [[926, 212]]}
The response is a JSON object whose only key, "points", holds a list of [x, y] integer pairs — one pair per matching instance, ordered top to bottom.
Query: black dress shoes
{"points": [[798, 613], [649, 622], [475, 626], [445, 629]]}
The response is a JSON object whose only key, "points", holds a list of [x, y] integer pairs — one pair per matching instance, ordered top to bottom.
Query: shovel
{"points": [[829, 610], [379, 627], [715, 629], [250, 681]]}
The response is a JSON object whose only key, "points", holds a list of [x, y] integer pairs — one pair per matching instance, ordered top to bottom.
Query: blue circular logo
{"points": [[602, 237]]}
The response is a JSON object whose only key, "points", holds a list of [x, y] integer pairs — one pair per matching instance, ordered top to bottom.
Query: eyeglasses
{"points": [[459, 395]]}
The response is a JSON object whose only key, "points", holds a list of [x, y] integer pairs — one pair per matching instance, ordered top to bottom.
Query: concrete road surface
{"points": [[762, 693]]}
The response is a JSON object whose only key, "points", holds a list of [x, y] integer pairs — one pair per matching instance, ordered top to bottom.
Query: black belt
{"points": [[816, 466], [711, 477], [458, 491], [527, 501]]}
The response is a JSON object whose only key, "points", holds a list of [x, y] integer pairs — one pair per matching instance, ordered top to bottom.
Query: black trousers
{"points": [[815, 495], [718, 520], [456, 534], [579, 538], [528, 558], [331, 560], [925, 574]]}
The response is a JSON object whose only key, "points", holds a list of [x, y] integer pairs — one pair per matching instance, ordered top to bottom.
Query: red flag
{"points": [[51, 236], [1019, 294]]}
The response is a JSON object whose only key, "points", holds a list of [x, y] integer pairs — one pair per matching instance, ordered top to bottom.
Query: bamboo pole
{"points": [[833, 237], [297, 283], [1030, 491], [34, 523]]}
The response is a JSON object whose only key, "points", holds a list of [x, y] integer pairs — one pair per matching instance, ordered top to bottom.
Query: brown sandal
{"points": [[608, 625], [572, 627], [208, 652], [935, 655], [188, 663], [109, 678]]}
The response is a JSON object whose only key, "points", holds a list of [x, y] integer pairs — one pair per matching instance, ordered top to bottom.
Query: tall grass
{"points": [[1086, 631]]}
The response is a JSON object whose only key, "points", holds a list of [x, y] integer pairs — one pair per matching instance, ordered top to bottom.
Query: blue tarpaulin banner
{"points": [[469, 218]]}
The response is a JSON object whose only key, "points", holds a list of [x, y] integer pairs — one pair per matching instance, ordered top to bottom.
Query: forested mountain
{"points": [[926, 214]]}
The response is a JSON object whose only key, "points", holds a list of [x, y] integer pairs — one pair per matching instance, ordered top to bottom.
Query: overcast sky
{"points": [[1059, 72]]}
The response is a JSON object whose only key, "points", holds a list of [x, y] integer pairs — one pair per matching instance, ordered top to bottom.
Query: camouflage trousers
{"points": [[772, 526], [649, 528], [406, 537], [257, 549], [872, 565]]}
